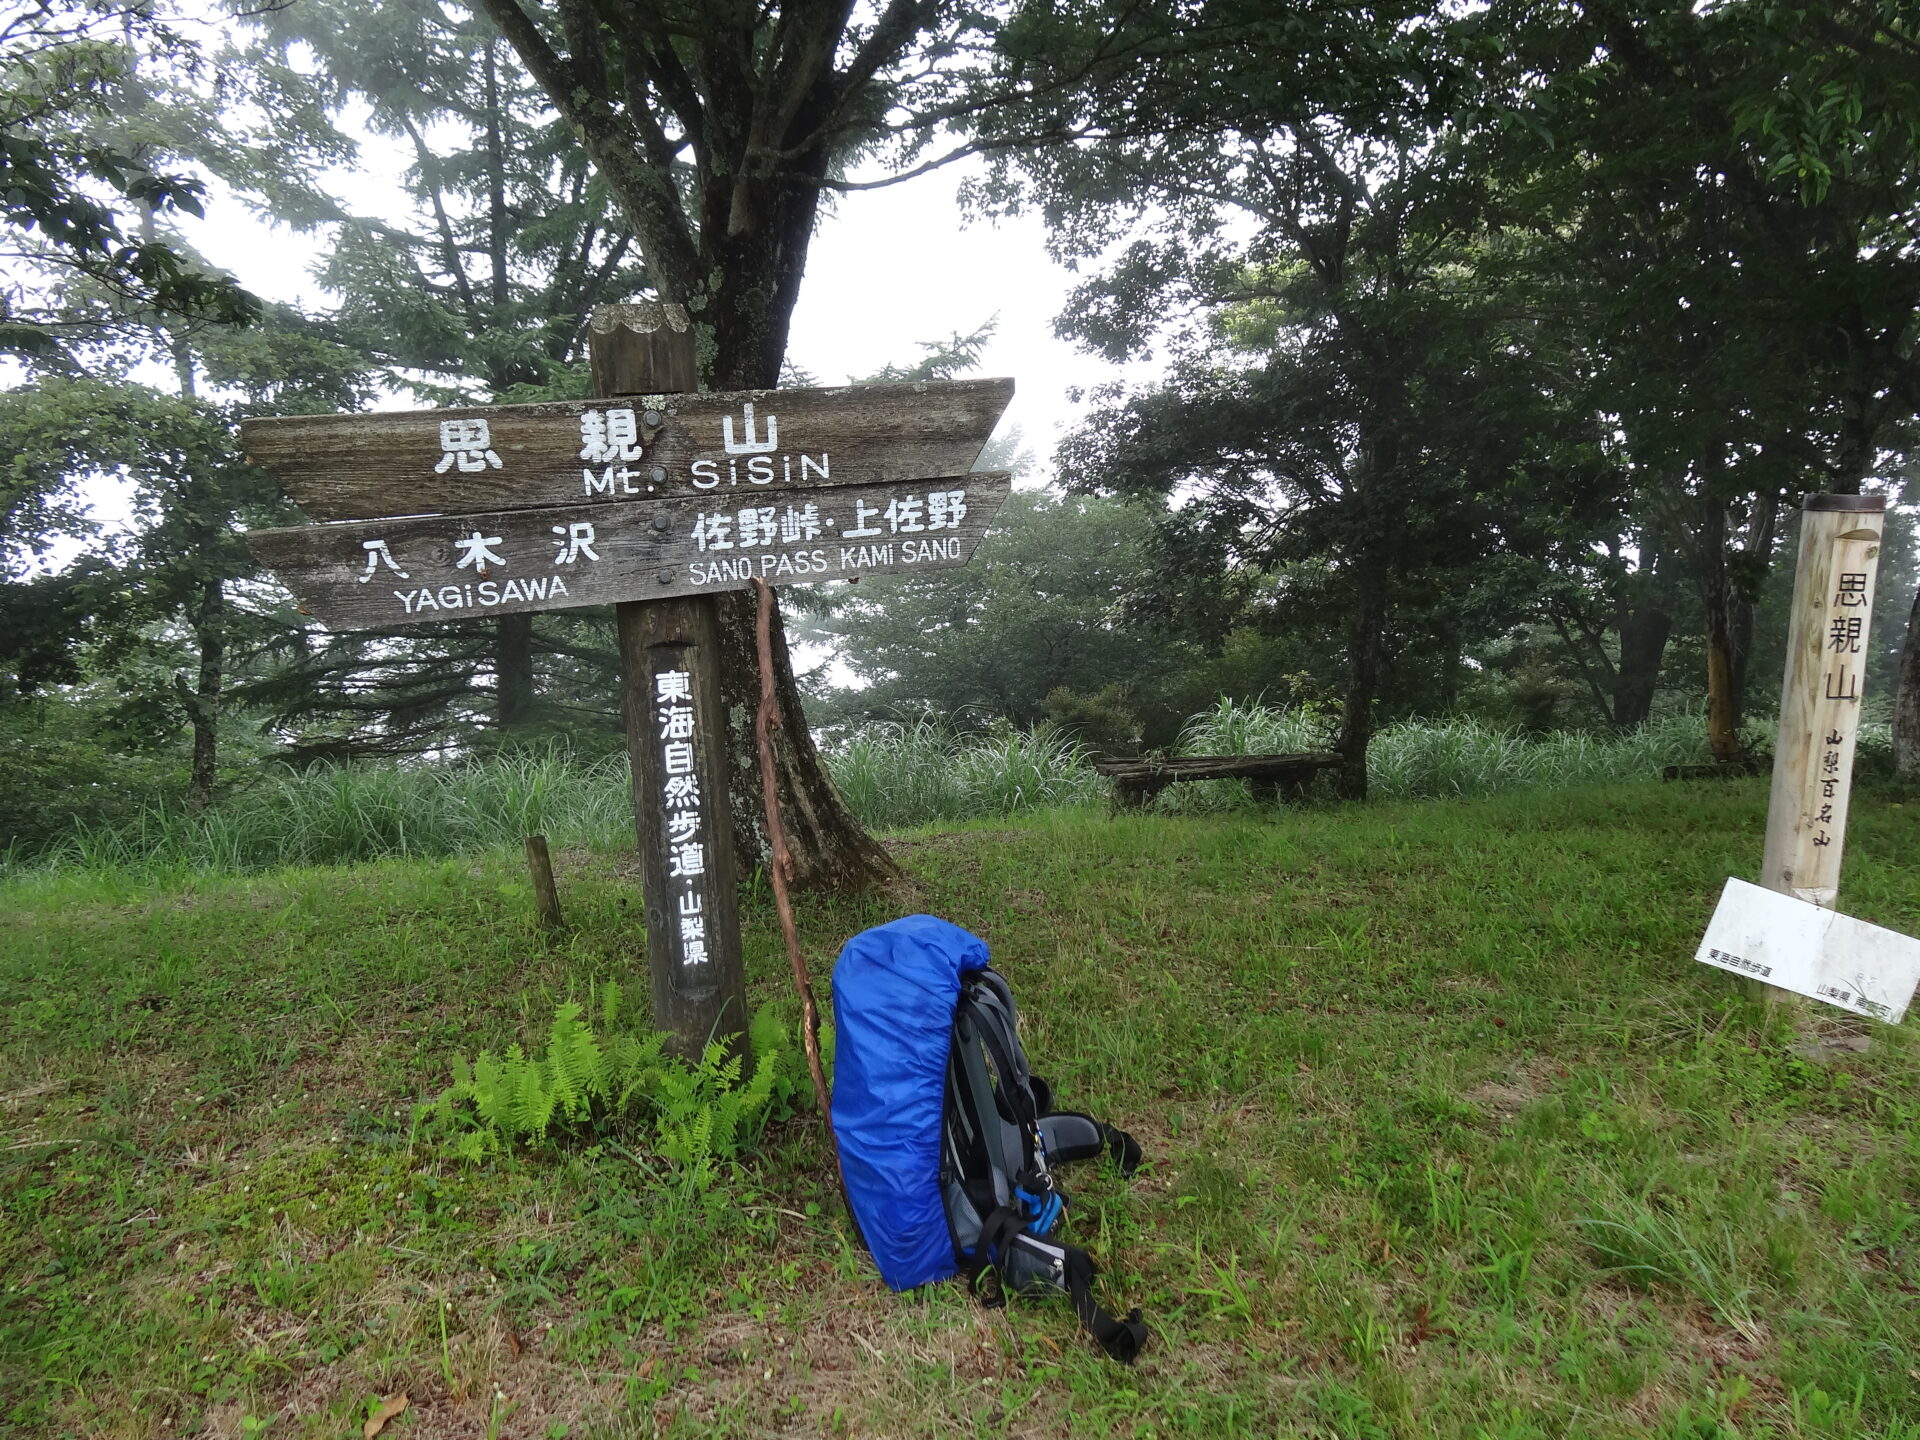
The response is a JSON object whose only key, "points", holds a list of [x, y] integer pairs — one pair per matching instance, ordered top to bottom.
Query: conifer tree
{"points": [[479, 295]]}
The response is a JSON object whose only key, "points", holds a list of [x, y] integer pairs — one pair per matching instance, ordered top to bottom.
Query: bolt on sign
{"points": [[539, 507]]}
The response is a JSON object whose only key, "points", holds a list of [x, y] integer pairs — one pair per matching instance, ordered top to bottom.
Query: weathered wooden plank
{"points": [[724, 445], [379, 572], [672, 697], [677, 738], [1215, 767], [1138, 779], [546, 894]]}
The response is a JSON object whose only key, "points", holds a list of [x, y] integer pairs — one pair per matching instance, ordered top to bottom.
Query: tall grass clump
{"points": [[1235, 727], [1238, 727], [1437, 759], [1418, 760], [896, 775], [893, 776], [341, 814]]}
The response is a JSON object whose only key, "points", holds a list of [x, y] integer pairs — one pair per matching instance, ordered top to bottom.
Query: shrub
{"points": [[612, 1083]]}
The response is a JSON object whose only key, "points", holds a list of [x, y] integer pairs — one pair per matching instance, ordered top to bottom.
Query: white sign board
{"points": [[1798, 946]]}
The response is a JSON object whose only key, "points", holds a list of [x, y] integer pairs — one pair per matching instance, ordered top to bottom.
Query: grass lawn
{"points": [[1449, 1136]]}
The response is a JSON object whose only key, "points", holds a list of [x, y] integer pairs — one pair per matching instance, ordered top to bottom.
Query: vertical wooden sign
{"points": [[1827, 636], [669, 658]]}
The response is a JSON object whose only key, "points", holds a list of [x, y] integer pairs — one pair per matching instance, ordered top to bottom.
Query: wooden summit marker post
{"points": [[651, 498], [1827, 635], [676, 736]]}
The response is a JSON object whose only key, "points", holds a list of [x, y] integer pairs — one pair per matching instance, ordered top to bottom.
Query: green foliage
{"points": [[74, 195], [478, 289], [942, 359], [1044, 609], [1105, 720], [1233, 727], [1438, 759], [69, 773], [895, 775], [333, 814], [612, 1083]]}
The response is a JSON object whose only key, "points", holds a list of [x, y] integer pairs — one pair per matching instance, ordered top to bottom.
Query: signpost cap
{"points": [[644, 316], [1856, 504]]}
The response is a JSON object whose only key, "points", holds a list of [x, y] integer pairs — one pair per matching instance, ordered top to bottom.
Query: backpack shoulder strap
{"points": [[990, 1008], [978, 1115], [1069, 1135], [1121, 1339]]}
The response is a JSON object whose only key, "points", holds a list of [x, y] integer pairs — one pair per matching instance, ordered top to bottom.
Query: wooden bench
{"points": [[1720, 769], [1138, 779]]}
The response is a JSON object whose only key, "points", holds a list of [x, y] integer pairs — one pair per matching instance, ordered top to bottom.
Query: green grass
{"points": [[891, 775], [895, 775], [341, 814], [1449, 1137]]}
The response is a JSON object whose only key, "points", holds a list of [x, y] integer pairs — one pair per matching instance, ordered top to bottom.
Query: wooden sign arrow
{"points": [[726, 446], [385, 572]]}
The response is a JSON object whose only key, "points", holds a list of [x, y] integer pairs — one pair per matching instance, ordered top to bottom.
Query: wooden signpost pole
{"points": [[1827, 636], [669, 652]]}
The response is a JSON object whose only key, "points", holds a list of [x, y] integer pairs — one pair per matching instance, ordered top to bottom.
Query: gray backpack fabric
{"points": [[1001, 1137]]}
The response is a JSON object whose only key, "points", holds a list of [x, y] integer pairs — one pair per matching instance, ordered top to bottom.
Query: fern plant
{"points": [[693, 1116]]}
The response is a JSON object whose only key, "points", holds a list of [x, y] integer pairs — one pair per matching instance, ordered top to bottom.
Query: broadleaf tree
{"points": [[719, 129], [78, 195], [1722, 200], [1359, 434]]}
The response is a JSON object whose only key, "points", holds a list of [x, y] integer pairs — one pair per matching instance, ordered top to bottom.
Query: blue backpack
{"points": [[947, 1140]]}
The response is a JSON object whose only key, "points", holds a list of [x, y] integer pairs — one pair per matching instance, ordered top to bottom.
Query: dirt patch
{"points": [[1505, 1098], [1501, 1100], [499, 1376]]}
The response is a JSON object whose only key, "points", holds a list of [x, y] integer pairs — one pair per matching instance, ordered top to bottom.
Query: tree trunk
{"points": [[735, 263], [1718, 601], [1643, 645], [1366, 659], [513, 671], [1723, 697], [1906, 702], [204, 705], [830, 849]]}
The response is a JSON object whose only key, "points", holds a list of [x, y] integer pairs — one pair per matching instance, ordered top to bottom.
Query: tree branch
{"points": [[647, 193]]}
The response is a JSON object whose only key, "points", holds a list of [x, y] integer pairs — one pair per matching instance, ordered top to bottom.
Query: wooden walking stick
{"points": [[781, 860]]}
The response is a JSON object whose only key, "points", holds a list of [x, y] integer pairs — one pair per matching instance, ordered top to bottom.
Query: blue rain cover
{"points": [[894, 992]]}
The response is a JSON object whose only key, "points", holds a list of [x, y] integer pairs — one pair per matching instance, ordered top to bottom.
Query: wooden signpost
{"points": [[626, 448], [653, 501], [1827, 635]]}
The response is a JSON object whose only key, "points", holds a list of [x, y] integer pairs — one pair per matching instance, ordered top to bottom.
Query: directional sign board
{"points": [[359, 467], [541, 507], [384, 572]]}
